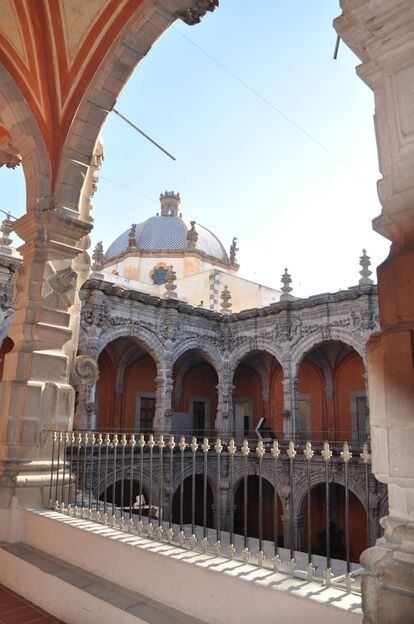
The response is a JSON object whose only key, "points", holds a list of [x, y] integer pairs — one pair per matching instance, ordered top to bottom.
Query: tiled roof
{"points": [[168, 233]]}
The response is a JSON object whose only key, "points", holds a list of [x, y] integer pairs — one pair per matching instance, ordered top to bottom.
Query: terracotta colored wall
{"points": [[5, 348], [139, 377], [349, 378], [200, 380], [311, 383], [248, 384], [105, 390], [276, 401], [118, 410], [357, 518]]}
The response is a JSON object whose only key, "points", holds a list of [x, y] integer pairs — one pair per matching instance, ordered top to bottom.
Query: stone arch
{"points": [[130, 44], [18, 119], [335, 333], [150, 341], [248, 348], [211, 353], [317, 478], [110, 480]]}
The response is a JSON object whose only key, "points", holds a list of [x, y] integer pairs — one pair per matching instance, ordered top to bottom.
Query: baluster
{"points": [[54, 439], [115, 442], [65, 443], [107, 443], [132, 443], [72, 444], [141, 444], [150, 445], [161, 445], [123, 446], [171, 446], [182, 446], [218, 447], [92, 448], [194, 448], [206, 448], [231, 449], [260, 451], [245, 452], [276, 453], [291, 453], [309, 453], [327, 454], [85, 456], [365, 456], [346, 458], [57, 469], [78, 472], [98, 477]]}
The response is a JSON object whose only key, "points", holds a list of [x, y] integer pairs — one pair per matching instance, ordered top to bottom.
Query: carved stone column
{"points": [[382, 34], [290, 386], [163, 392], [35, 393], [225, 415]]}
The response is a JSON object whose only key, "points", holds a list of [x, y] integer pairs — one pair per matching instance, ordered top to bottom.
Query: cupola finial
{"points": [[169, 203], [6, 228], [97, 257], [365, 263], [286, 288], [225, 301]]}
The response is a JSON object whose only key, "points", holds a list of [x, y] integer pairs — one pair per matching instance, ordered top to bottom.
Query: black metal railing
{"points": [[220, 497]]}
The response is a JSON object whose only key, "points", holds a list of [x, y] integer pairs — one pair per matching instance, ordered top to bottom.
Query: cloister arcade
{"points": [[56, 140]]}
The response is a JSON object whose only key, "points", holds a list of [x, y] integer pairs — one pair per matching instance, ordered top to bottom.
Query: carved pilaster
{"points": [[35, 393], [225, 416]]}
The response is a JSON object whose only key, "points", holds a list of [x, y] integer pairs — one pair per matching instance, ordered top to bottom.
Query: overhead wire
{"points": [[268, 102]]}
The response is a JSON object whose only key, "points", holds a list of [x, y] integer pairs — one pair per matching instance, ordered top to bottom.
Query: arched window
{"points": [[159, 275]]}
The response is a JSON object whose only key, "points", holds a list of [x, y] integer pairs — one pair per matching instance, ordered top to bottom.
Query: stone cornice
{"points": [[111, 289]]}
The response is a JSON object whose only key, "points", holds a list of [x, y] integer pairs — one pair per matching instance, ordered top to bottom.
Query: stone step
{"points": [[130, 607]]}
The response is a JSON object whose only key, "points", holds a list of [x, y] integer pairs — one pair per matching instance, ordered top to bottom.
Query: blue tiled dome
{"points": [[168, 233]]}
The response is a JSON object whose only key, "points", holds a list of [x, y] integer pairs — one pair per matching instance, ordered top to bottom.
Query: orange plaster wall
{"points": [[139, 377], [349, 378], [201, 380], [311, 383], [247, 384], [105, 390], [277, 404], [357, 520]]}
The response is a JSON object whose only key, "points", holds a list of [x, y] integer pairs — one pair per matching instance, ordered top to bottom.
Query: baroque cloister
{"points": [[73, 359]]}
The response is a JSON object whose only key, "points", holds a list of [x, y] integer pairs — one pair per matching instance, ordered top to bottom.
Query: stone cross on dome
{"points": [[169, 203]]}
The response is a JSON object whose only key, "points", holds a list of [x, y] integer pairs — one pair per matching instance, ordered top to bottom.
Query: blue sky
{"points": [[242, 168]]}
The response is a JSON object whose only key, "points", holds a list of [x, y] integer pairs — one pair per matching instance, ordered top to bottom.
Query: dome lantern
{"points": [[169, 203]]}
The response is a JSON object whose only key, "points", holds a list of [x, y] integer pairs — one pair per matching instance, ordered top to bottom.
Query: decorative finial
{"points": [[169, 203], [6, 228], [192, 235], [132, 237], [233, 250], [97, 257], [365, 262], [170, 287], [286, 289], [225, 301]]}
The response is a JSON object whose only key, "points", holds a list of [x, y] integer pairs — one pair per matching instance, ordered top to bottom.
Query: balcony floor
{"points": [[15, 609]]}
